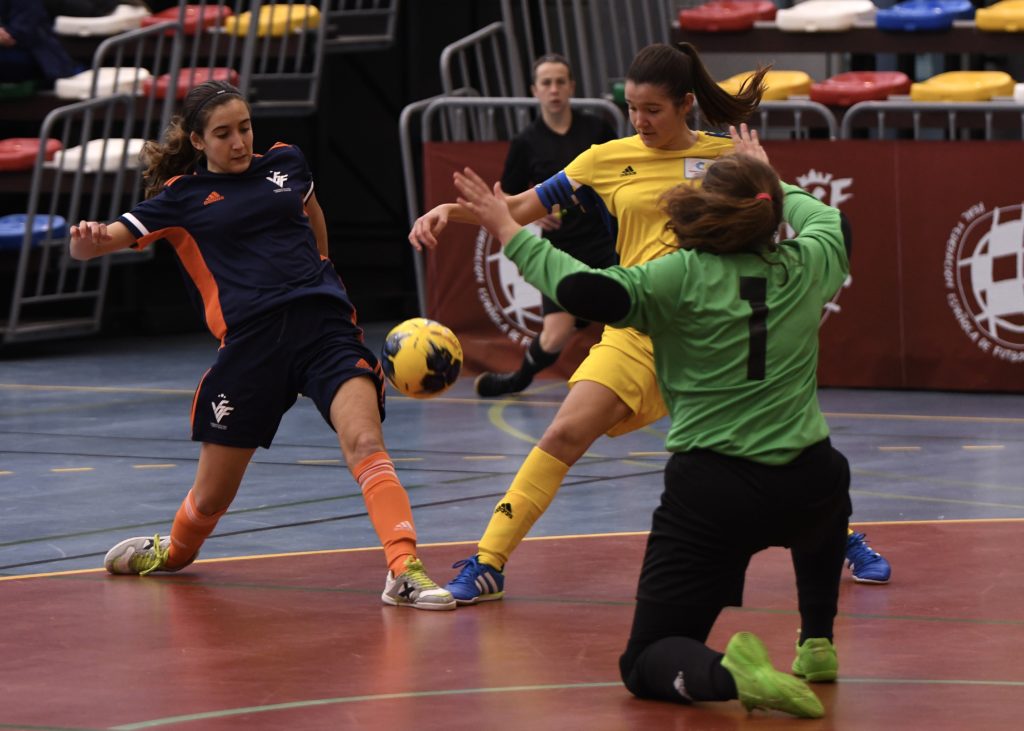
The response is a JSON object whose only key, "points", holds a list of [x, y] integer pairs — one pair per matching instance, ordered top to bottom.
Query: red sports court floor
{"points": [[277, 630]]}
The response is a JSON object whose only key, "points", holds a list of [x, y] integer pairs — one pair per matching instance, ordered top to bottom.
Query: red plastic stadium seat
{"points": [[719, 16], [195, 20], [188, 79], [844, 90], [19, 153]]}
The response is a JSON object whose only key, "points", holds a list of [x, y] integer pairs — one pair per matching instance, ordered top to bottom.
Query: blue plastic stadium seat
{"points": [[918, 16], [12, 230]]}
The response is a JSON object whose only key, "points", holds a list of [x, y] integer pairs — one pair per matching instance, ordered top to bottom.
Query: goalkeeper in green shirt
{"points": [[733, 315]]}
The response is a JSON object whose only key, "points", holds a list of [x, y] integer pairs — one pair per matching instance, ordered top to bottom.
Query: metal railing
{"points": [[359, 25], [948, 121], [53, 295]]}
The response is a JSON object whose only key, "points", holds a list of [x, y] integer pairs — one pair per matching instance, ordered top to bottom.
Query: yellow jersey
{"points": [[631, 178]]}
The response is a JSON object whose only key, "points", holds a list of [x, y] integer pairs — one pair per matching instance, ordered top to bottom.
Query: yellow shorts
{"points": [[623, 361]]}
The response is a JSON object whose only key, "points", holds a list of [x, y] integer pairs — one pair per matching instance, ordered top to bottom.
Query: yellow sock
{"points": [[528, 496]]}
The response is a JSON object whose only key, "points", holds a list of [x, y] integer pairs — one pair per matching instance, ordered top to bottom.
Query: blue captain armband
{"points": [[557, 190]]}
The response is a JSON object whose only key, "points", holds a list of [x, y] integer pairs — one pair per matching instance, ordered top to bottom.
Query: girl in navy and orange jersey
{"points": [[252, 237]]}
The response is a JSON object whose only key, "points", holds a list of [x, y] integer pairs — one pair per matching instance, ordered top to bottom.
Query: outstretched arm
{"points": [[489, 208], [524, 208], [90, 239], [582, 291]]}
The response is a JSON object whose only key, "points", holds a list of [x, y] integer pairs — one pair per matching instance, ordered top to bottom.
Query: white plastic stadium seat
{"points": [[823, 16], [124, 17], [79, 85], [112, 157]]}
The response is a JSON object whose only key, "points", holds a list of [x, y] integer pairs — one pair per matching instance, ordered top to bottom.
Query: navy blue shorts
{"points": [[309, 346]]}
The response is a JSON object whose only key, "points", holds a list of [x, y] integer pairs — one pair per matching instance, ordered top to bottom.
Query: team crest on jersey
{"points": [[695, 168], [278, 179], [983, 272], [511, 303], [221, 409]]}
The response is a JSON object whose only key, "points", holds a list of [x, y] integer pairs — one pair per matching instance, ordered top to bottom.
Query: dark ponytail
{"points": [[680, 71], [176, 155]]}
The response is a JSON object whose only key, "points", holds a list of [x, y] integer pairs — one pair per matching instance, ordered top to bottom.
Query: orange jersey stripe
{"points": [[192, 259], [195, 399]]}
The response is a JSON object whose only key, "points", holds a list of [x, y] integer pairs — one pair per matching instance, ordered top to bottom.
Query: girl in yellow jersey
{"points": [[614, 391]]}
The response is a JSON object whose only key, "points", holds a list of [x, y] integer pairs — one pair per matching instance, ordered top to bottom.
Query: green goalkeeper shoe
{"points": [[816, 660], [762, 686]]}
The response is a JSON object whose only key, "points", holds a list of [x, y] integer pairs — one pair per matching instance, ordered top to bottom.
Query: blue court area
{"points": [[94, 447]]}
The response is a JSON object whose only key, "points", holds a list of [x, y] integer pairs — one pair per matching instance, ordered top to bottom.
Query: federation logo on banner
{"points": [[832, 190], [984, 277], [511, 303]]}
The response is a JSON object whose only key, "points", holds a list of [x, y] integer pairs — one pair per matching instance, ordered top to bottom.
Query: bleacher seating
{"points": [[1002, 17], [124, 18], [963, 86]]}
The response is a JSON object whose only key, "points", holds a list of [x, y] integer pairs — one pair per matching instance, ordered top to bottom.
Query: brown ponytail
{"points": [[737, 209]]}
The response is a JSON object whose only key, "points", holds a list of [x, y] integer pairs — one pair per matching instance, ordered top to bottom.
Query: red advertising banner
{"points": [[936, 293], [860, 331]]}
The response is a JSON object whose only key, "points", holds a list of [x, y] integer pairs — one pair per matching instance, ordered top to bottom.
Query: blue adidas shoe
{"points": [[867, 565], [477, 582]]}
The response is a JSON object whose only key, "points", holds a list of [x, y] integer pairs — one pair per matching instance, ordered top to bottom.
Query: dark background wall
{"points": [[352, 146]]}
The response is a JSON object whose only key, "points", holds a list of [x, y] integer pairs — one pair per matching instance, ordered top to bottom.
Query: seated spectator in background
{"points": [[29, 49]]}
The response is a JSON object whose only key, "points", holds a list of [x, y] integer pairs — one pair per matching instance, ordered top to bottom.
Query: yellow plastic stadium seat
{"points": [[1003, 17], [275, 20], [778, 84], [963, 86]]}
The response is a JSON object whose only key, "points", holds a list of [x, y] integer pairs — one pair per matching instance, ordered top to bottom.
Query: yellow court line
{"points": [[984, 447], [649, 454], [484, 457], [407, 459], [318, 461], [153, 466], [72, 469], [6, 472], [443, 544]]}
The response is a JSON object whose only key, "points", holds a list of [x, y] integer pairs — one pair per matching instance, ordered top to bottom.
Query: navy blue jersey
{"points": [[245, 239]]}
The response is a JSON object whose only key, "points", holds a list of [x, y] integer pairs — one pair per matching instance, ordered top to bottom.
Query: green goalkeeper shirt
{"points": [[735, 336]]}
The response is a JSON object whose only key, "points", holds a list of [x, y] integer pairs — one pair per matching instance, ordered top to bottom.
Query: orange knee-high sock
{"points": [[389, 509], [189, 531]]}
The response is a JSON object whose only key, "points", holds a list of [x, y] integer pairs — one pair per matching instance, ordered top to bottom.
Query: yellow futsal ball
{"points": [[421, 358]]}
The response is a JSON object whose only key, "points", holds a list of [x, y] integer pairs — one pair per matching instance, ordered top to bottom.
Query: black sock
{"points": [[535, 360], [678, 669]]}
